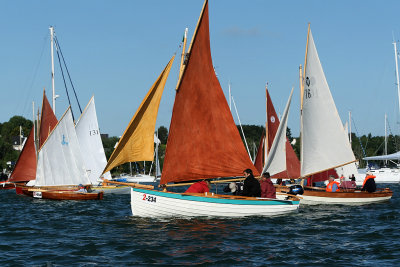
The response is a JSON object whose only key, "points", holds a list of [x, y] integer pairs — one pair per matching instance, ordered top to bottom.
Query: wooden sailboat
{"points": [[203, 142], [324, 145], [60, 165], [292, 170]]}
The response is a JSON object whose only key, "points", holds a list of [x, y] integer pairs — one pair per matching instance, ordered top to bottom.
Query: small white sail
{"points": [[87, 130], [324, 146], [60, 160], [276, 160]]}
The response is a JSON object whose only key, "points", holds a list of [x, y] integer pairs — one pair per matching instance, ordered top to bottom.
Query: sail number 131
{"points": [[149, 198]]}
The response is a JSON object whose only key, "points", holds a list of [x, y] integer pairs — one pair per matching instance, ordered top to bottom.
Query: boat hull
{"points": [[6, 186], [113, 189], [61, 195], [344, 197], [152, 203]]}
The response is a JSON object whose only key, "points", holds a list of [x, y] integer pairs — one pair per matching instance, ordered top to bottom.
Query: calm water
{"points": [[103, 233]]}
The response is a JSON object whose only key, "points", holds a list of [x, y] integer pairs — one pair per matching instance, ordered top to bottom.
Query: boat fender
{"points": [[296, 189]]}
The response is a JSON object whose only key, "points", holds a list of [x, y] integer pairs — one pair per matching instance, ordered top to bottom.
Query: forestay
{"points": [[88, 132], [324, 146], [60, 160]]}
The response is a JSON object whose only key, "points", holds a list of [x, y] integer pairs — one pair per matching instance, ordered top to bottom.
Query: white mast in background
{"points": [[52, 67], [397, 70]]}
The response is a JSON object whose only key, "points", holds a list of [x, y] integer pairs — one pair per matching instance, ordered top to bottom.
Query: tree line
{"points": [[364, 146]]}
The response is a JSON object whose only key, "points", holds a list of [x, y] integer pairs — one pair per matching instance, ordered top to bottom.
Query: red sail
{"points": [[47, 120], [203, 140], [292, 162], [25, 169]]}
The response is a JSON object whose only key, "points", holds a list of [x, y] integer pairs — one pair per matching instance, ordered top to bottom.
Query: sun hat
{"points": [[232, 187]]}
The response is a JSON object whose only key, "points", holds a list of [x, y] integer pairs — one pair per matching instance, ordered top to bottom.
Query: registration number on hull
{"points": [[149, 198]]}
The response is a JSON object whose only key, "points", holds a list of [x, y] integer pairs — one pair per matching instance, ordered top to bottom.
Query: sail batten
{"points": [[203, 140], [137, 142], [324, 145]]}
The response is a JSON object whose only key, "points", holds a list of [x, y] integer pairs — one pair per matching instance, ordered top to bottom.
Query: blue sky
{"points": [[116, 49]]}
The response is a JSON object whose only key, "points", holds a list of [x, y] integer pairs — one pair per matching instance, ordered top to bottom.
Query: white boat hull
{"points": [[383, 176], [140, 178], [356, 198], [151, 203]]}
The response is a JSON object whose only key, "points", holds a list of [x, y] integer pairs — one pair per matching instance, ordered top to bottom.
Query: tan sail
{"points": [[203, 140], [137, 142]]}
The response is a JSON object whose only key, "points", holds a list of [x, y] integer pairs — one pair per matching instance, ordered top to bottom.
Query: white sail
{"points": [[87, 130], [324, 146], [60, 160], [276, 160], [349, 169]]}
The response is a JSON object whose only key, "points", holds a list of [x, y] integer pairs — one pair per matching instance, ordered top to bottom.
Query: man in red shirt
{"points": [[199, 187], [267, 188]]}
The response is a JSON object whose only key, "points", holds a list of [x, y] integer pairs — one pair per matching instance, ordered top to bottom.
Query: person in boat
{"points": [[353, 181], [369, 183], [347, 184], [251, 186], [332, 186], [199, 187], [267, 187], [81, 189]]}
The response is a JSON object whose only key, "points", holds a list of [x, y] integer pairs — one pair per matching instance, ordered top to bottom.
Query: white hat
{"points": [[232, 187]]}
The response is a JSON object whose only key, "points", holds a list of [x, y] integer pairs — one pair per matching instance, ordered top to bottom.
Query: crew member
{"points": [[369, 183], [332, 186], [199, 187], [251, 187]]}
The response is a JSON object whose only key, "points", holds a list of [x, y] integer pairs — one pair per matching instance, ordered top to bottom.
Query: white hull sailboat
{"points": [[201, 121], [324, 144], [151, 203]]}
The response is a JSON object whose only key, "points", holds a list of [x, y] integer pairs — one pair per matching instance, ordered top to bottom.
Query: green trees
{"points": [[7, 131]]}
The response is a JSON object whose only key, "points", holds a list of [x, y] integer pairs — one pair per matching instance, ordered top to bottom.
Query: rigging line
{"points": [[69, 76], [65, 84], [359, 139]]}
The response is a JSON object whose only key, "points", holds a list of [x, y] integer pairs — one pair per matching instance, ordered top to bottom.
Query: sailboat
{"points": [[203, 143], [324, 144], [60, 165], [292, 170]]}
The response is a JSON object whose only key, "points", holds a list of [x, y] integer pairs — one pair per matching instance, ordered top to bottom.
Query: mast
{"points": [[183, 54], [52, 67], [397, 71], [301, 100], [33, 121], [266, 124], [350, 127], [385, 138]]}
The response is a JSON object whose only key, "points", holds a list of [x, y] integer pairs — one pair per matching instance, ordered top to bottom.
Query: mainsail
{"points": [[47, 120], [88, 132], [203, 140], [137, 142], [324, 145], [60, 160], [276, 160], [292, 162], [25, 168]]}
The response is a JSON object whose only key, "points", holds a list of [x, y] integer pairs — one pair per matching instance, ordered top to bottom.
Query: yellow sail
{"points": [[137, 142]]}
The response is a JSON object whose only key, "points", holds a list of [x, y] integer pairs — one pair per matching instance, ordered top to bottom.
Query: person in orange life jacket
{"points": [[369, 183], [251, 186], [332, 186], [199, 187], [267, 188]]}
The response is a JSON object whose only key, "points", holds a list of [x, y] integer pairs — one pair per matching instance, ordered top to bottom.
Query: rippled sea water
{"points": [[103, 233]]}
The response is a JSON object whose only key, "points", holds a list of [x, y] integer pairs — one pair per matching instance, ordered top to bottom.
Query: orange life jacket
{"points": [[368, 177], [330, 185]]}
